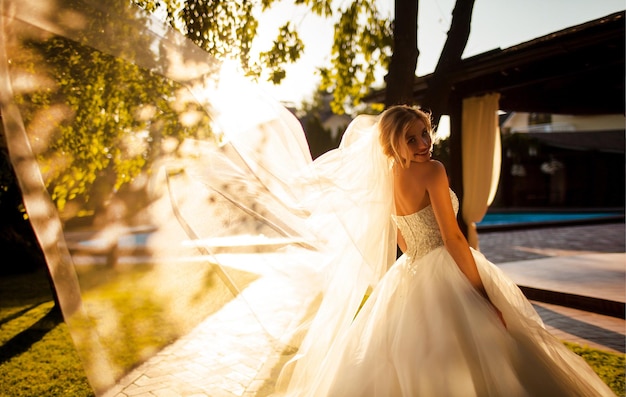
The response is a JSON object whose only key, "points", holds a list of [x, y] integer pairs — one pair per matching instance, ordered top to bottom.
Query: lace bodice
{"points": [[421, 231]]}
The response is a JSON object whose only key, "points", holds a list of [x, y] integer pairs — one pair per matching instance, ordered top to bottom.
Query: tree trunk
{"points": [[399, 80], [439, 86], [440, 98]]}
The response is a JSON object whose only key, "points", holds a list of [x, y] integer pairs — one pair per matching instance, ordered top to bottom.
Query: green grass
{"points": [[135, 313], [129, 315], [39, 358], [43, 362], [609, 366]]}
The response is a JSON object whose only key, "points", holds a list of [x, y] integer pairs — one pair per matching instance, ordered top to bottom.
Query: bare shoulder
{"points": [[437, 166], [434, 172]]}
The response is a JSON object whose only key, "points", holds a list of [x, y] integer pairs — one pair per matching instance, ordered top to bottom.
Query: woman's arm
{"points": [[455, 242]]}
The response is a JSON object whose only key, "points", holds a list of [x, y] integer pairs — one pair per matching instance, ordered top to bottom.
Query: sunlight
{"points": [[234, 96], [443, 128]]}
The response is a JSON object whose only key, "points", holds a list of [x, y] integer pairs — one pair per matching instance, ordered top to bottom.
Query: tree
{"points": [[226, 29], [364, 41], [362, 44], [393, 45], [405, 54], [439, 85], [99, 90], [91, 124], [320, 139], [17, 239]]}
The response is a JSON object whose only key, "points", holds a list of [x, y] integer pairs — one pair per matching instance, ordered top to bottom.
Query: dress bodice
{"points": [[421, 231]]}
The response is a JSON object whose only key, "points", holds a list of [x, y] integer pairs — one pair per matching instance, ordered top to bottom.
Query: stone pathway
{"points": [[231, 354]]}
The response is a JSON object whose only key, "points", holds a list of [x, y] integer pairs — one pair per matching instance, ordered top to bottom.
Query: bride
{"points": [[443, 320], [439, 321]]}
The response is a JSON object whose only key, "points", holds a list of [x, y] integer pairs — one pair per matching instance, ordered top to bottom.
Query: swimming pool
{"points": [[494, 220]]}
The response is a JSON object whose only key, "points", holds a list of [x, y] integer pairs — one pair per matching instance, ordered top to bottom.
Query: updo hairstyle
{"points": [[393, 125]]}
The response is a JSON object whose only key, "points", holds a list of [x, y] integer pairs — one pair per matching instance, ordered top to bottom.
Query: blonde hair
{"points": [[393, 125]]}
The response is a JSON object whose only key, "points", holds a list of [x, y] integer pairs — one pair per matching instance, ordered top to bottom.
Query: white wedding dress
{"points": [[425, 331]]}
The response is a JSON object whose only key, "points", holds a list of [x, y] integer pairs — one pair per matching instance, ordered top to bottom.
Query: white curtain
{"points": [[482, 158]]}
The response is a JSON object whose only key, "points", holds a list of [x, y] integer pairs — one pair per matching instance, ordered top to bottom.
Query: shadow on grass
{"points": [[134, 313], [18, 314], [131, 314], [23, 341]]}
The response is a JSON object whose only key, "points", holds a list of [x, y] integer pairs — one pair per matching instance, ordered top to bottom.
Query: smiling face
{"points": [[405, 134], [418, 143]]}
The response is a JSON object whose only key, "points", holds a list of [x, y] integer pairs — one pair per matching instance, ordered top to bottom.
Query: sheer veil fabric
{"points": [[255, 157], [240, 164], [352, 210]]}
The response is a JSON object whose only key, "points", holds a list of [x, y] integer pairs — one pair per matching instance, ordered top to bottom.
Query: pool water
{"points": [[511, 218]]}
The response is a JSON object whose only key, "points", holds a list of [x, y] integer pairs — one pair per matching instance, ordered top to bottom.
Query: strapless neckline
{"points": [[414, 213]]}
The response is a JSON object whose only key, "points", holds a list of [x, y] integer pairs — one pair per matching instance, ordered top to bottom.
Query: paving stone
{"points": [[231, 354], [165, 393]]}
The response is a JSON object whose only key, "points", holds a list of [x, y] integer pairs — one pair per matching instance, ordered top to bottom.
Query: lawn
{"points": [[128, 316], [38, 357]]}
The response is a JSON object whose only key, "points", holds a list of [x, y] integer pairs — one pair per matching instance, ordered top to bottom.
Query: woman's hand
{"points": [[481, 290]]}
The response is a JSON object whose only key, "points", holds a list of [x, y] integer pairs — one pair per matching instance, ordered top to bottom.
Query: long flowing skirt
{"points": [[425, 331]]}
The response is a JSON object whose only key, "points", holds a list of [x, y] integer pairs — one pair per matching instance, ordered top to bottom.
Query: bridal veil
{"points": [[131, 143]]}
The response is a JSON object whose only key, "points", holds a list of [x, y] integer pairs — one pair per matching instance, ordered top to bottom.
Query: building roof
{"points": [[578, 70]]}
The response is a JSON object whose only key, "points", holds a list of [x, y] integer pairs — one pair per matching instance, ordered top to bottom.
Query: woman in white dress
{"points": [[443, 320], [440, 321]]}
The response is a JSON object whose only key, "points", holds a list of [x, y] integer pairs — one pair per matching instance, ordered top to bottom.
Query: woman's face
{"points": [[418, 143]]}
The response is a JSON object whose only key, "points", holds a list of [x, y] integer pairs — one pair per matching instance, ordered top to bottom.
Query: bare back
{"points": [[410, 195]]}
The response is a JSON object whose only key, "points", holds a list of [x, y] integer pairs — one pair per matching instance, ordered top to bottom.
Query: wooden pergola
{"points": [[576, 71]]}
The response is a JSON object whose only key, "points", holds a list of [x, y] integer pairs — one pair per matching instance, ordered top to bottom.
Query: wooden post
{"points": [[455, 171]]}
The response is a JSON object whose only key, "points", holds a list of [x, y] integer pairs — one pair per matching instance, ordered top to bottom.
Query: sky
{"points": [[495, 24]]}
